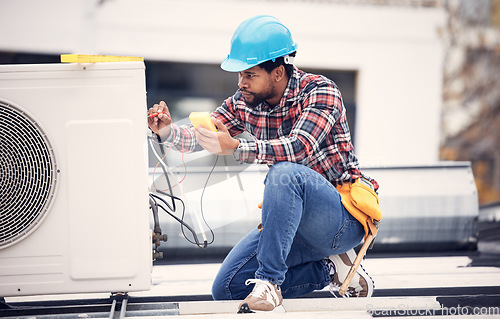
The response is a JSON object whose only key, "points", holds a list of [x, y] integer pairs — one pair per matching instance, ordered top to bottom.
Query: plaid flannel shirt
{"points": [[309, 127]]}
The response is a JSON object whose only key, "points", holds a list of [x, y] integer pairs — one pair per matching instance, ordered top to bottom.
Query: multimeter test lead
{"points": [[156, 114]]}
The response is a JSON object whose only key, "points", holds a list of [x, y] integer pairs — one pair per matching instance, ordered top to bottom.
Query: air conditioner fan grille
{"points": [[28, 174]]}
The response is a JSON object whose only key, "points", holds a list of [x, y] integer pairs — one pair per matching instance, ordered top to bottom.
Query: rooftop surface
{"points": [[443, 285]]}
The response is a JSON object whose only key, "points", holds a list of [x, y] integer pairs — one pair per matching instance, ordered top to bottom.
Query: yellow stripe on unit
{"points": [[84, 58]]}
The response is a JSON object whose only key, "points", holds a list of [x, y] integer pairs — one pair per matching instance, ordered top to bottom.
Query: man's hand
{"points": [[159, 119], [219, 143]]}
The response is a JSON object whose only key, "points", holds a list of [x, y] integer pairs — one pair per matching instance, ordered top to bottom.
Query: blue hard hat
{"points": [[256, 40]]}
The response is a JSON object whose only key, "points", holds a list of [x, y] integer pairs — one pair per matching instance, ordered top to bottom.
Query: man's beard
{"points": [[258, 98]]}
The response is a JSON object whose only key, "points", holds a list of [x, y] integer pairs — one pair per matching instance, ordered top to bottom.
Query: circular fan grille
{"points": [[28, 174]]}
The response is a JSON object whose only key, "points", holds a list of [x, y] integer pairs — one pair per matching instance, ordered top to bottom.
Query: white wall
{"points": [[397, 52]]}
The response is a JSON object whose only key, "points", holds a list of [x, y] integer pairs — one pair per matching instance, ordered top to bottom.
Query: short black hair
{"points": [[270, 65]]}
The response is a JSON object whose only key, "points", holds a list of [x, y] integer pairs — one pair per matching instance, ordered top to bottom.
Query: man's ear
{"points": [[279, 73]]}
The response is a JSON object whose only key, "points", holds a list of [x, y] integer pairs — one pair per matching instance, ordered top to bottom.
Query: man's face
{"points": [[256, 86]]}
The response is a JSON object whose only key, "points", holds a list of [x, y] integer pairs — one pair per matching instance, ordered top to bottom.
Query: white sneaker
{"points": [[362, 285], [264, 297]]}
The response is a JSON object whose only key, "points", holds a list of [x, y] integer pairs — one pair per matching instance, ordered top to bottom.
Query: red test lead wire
{"points": [[158, 113], [168, 151]]}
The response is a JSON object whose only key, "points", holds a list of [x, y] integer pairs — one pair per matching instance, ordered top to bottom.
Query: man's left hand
{"points": [[219, 143]]}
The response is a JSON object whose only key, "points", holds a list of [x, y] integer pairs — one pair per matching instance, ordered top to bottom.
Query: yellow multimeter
{"points": [[202, 119]]}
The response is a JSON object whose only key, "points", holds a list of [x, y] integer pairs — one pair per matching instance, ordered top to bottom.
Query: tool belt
{"points": [[361, 201]]}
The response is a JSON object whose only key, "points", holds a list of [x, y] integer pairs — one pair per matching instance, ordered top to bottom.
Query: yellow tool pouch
{"points": [[361, 201]]}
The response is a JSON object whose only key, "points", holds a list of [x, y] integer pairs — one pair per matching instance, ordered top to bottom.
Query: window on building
{"points": [[188, 87]]}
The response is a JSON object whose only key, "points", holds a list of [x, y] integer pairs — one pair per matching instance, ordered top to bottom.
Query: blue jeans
{"points": [[303, 222]]}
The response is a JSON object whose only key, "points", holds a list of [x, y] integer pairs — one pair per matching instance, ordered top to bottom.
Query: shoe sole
{"points": [[362, 272], [246, 309]]}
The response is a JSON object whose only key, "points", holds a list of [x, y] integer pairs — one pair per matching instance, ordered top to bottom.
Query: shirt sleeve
{"points": [[321, 108], [229, 115], [182, 138]]}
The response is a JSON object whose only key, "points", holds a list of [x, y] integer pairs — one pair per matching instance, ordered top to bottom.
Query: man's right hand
{"points": [[160, 123]]}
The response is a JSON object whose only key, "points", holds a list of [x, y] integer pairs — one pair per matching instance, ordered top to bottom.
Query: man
{"points": [[298, 126]]}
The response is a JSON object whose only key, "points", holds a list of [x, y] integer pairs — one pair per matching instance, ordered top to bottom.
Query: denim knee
{"points": [[282, 173], [219, 291]]}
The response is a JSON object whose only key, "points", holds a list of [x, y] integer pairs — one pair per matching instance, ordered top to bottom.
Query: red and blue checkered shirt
{"points": [[309, 127]]}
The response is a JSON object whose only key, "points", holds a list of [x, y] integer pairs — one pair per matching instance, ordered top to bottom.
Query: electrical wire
{"points": [[164, 156], [164, 166], [201, 198], [172, 208], [180, 220]]}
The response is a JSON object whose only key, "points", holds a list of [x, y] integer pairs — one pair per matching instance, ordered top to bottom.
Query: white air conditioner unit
{"points": [[73, 182]]}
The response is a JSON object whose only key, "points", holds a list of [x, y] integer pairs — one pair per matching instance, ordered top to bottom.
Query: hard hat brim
{"points": [[233, 65]]}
